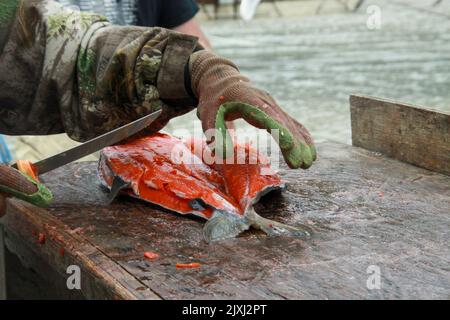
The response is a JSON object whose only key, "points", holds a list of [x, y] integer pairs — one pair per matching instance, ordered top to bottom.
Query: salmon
{"points": [[177, 175]]}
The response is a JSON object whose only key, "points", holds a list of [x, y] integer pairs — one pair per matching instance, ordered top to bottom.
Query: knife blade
{"points": [[95, 144]]}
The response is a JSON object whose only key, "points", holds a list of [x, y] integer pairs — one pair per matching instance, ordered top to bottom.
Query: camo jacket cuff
{"points": [[171, 78]]}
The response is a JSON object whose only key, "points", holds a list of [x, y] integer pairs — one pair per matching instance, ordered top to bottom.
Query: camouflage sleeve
{"points": [[68, 71]]}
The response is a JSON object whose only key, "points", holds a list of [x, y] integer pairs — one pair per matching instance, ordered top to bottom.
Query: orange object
{"points": [[149, 166], [27, 167], [178, 176], [151, 255], [188, 265]]}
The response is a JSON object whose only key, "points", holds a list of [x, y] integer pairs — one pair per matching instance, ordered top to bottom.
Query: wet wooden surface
{"points": [[367, 212]]}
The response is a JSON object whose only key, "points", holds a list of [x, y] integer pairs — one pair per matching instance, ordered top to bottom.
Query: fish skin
{"points": [[223, 194]]}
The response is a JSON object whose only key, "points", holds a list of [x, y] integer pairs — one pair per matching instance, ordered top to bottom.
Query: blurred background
{"points": [[312, 54]]}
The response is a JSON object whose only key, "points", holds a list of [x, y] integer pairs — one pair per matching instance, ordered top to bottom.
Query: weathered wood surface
{"points": [[404, 132], [365, 209], [102, 277]]}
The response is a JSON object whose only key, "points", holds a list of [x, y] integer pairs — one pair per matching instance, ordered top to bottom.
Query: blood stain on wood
{"points": [[192, 265]]}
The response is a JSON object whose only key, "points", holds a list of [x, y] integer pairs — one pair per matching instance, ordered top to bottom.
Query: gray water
{"points": [[312, 64]]}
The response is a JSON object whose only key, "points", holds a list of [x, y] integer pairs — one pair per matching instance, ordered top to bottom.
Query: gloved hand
{"points": [[225, 95], [16, 184]]}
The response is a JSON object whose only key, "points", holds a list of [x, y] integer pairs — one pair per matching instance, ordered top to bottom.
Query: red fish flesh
{"points": [[175, 175]]}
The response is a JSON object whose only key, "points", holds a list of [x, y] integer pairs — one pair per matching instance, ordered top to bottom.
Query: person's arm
{"points": [[180, 15], [192, 27], [67, 71], [73, 72]]}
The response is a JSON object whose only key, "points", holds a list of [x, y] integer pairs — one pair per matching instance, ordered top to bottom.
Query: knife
{"points": [[95, 144], [43, 197]]}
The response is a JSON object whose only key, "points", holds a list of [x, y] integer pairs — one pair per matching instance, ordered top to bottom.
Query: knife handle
{"points": [[17, 184]]}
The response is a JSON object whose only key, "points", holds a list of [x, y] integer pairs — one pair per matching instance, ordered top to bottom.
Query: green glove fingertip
{"points": [[313, 152], [300, 156]]}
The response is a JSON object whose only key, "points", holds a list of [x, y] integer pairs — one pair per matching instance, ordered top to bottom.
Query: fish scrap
{"points": [[176, 175]]}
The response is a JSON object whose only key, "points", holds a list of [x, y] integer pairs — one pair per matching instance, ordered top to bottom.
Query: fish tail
{"points": [[117, 186], [224, 225], [274, 228]]}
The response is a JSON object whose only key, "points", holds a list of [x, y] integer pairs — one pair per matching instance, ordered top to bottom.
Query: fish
{"points": [[182, 176]]}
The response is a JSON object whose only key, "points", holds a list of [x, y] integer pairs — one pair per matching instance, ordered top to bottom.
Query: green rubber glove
{"points": [[225, 95], [16, 184]]}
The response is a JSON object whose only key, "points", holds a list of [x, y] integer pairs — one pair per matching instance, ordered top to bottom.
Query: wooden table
{"points": [[369, 213]]}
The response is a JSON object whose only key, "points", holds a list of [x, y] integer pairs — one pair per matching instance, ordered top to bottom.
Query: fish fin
{"points": [[118, 185], [198, 204], [224, 225], [274, 228]]}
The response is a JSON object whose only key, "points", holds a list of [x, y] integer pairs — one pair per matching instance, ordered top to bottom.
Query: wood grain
{"points": [[408, 133], [102, 278]]}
